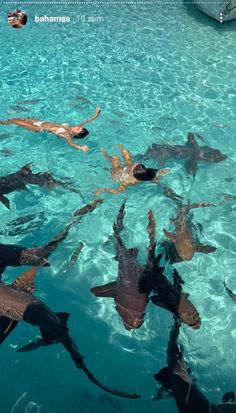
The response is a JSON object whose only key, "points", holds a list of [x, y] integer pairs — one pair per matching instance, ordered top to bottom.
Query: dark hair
{"points": [[25, 18], [82, 134], [141, 173]]}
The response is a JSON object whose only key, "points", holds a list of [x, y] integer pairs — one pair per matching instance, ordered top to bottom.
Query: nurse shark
{"points": [[191, 152], [18, 181], [183, 242], [15, 255], [134, 283], [230, 293], [17, 303]]}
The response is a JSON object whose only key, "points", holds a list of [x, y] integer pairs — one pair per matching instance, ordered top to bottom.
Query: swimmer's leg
{"points": [[27, 123], [126, 155], [113, 159]]}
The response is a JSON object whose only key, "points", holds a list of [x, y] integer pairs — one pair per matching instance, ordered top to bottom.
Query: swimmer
{"points": [[63, 130], [130, 173]]}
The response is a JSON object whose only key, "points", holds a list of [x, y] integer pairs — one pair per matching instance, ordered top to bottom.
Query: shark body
{"points": [[191, 153], [17, 303]]}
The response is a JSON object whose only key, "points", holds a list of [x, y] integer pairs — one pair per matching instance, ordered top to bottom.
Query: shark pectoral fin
{"points": [[191, 141], [191, 166], [5, 201], [170, 235], [205, 249], [26, 280], [107, 290], [6, 327], [49, 338], [33, 345], [163, 377]]}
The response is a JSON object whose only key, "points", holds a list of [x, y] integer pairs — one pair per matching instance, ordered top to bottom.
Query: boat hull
{"points": [[219, 10]]}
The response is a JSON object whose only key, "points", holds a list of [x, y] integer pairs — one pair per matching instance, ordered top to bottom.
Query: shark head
{"points": [[210, 155]]}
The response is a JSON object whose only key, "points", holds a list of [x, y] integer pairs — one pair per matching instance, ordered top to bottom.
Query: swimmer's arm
{"points": [[98, 111], [81, 148], [126, 155], [161, 172], [116, 191]]}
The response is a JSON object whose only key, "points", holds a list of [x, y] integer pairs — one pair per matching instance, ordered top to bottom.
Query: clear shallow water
{"points": [[157, 72]]}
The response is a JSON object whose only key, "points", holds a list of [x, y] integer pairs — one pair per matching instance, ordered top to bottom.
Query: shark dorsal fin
{"points": [[192, 141], [26, 169], [170, 235], [26, 280]]}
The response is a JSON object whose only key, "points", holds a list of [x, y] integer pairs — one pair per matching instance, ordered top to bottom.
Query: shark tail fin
{"points": [[172, 195], [79, 213], [119, 224], [93, 379]]}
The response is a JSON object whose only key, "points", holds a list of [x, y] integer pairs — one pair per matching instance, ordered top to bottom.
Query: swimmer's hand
{"points": [[98, 110], [81, 148], [84, 148], [164, 172], [160, 173], [99, 191]]}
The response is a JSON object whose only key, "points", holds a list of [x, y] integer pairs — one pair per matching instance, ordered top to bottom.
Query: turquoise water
{"points": [[157, 72]]}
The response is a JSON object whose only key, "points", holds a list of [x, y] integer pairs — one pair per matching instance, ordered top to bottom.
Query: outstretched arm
{"points": [[98, 111], [81, 148], [126, 155], [120, 189]]}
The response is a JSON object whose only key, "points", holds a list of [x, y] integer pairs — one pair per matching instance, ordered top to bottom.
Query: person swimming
{"points": [[63, 130], [130, 173]]}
